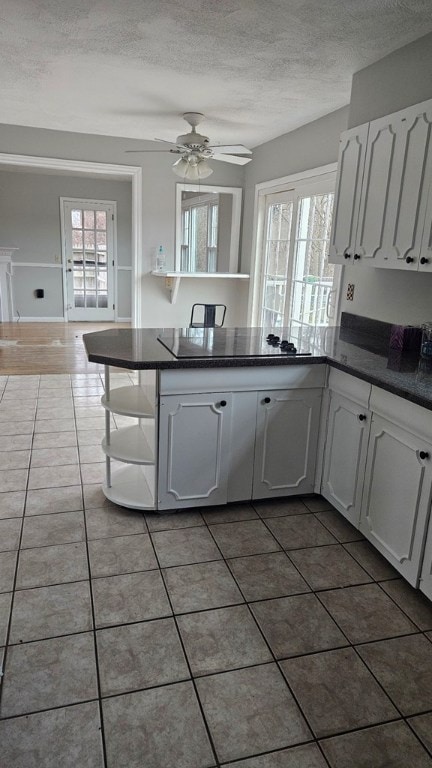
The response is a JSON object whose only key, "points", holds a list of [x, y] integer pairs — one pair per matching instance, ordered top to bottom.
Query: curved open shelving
{"points": [[128, 401], [132, 444], [134, 484], [130, 487]]}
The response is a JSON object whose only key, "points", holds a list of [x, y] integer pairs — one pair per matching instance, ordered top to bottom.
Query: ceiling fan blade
{"points": [[173, 144], [236, 149], [140, 151], [231, 159]]}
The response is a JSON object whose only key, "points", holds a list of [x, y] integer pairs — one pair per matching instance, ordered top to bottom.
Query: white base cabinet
{"points": [[286, 442], [234, 445], [346, 445], [194, 446], [377, 471], [397, 491], [426, 572]]}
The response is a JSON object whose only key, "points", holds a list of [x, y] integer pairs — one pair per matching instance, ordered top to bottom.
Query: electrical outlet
{"points": [[350, 292]]}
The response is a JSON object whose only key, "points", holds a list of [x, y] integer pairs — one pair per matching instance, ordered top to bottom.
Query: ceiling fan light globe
{"points": [[192, 169]]}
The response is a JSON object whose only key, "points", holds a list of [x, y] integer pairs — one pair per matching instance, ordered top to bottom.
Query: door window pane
{"points": [[89, 219], [101, 220]]}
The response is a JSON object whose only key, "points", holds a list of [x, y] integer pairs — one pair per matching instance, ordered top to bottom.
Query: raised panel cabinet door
{"points": [[352, 150], [377, 179], [407, 200], [425, 260], [286, 442], [194, 443], [345, 456], [396, 496], [426, 571]]}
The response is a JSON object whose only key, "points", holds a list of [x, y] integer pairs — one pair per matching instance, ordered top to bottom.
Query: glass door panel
{"points": [[89, 275]]}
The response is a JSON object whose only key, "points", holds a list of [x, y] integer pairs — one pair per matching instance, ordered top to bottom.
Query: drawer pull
{"points": [[424, 260], [267, 400], [223, 403], [362, 417], [424, 455]]}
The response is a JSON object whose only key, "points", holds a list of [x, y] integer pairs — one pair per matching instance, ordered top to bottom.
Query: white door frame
{"points": [[132, 173], [262, 189], [113, 256]]}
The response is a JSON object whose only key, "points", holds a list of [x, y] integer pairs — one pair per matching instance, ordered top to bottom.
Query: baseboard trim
{"points": [[21, 319], [123, 320]]}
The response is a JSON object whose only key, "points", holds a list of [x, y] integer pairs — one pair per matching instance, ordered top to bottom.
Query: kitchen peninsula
{"points": [[222, 416]]}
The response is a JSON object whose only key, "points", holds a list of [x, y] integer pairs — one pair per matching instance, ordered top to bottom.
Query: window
{"points": [[199, 234], [297, 286]]}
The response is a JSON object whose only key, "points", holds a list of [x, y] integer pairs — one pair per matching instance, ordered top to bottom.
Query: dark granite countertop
{"points": [[357, 352]]}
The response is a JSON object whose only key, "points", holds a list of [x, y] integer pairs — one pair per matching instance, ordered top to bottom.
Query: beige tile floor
{"points": [[265, 635]]}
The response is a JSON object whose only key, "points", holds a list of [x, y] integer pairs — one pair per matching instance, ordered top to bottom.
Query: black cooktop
{"points": [[231, 342]]}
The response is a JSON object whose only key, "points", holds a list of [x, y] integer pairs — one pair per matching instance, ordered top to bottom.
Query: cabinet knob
{"points": [[347, 255], [356, 256], [409, 259], [424, 260], [267, 399], [223, 403], [361, 417], [424, 455]]}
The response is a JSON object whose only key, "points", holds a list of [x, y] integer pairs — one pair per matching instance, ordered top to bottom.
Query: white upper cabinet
{"points": [[352, 150], [394, 218]]}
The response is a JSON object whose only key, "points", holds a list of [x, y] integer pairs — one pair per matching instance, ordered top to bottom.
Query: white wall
{"points": [[399, 80], [157, 215], [30, 221]]}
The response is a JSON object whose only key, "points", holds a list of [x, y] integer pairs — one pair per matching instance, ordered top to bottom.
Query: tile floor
{"points": [[265, 635]]}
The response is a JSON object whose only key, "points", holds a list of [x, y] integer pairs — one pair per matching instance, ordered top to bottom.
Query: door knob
{"points": [[347, 255], [356, 256], [409, 259], [423, 260], [267, 400], [223, 403], [362, 417], [424, 455]]}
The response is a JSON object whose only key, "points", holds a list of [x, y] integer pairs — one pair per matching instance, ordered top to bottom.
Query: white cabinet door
{"points": [[352, 150], [379, 164], [405, 206], [425, 261], [286, 442], [194, 444], [345, 456], [396, 496], [426, 573]]}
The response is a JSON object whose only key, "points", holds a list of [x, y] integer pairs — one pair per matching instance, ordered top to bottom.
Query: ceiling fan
{"points": [[195, 149]]}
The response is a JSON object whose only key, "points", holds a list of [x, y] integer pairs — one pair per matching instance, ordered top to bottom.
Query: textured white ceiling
{"points": [[256, 68]]}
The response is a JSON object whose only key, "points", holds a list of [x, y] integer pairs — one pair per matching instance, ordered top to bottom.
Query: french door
{"points": [[88, 259], [298, 285]]}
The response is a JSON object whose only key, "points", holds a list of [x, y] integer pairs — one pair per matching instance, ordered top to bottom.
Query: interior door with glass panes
{"points": [[89, 259], [299, 287]]}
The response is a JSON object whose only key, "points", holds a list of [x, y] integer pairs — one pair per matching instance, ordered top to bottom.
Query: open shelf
{"points": [[172, 279], [129, 401], [131, 444], [130, 487]]}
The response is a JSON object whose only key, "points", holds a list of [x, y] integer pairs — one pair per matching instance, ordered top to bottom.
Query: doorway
{"points": [[89, 255]]}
